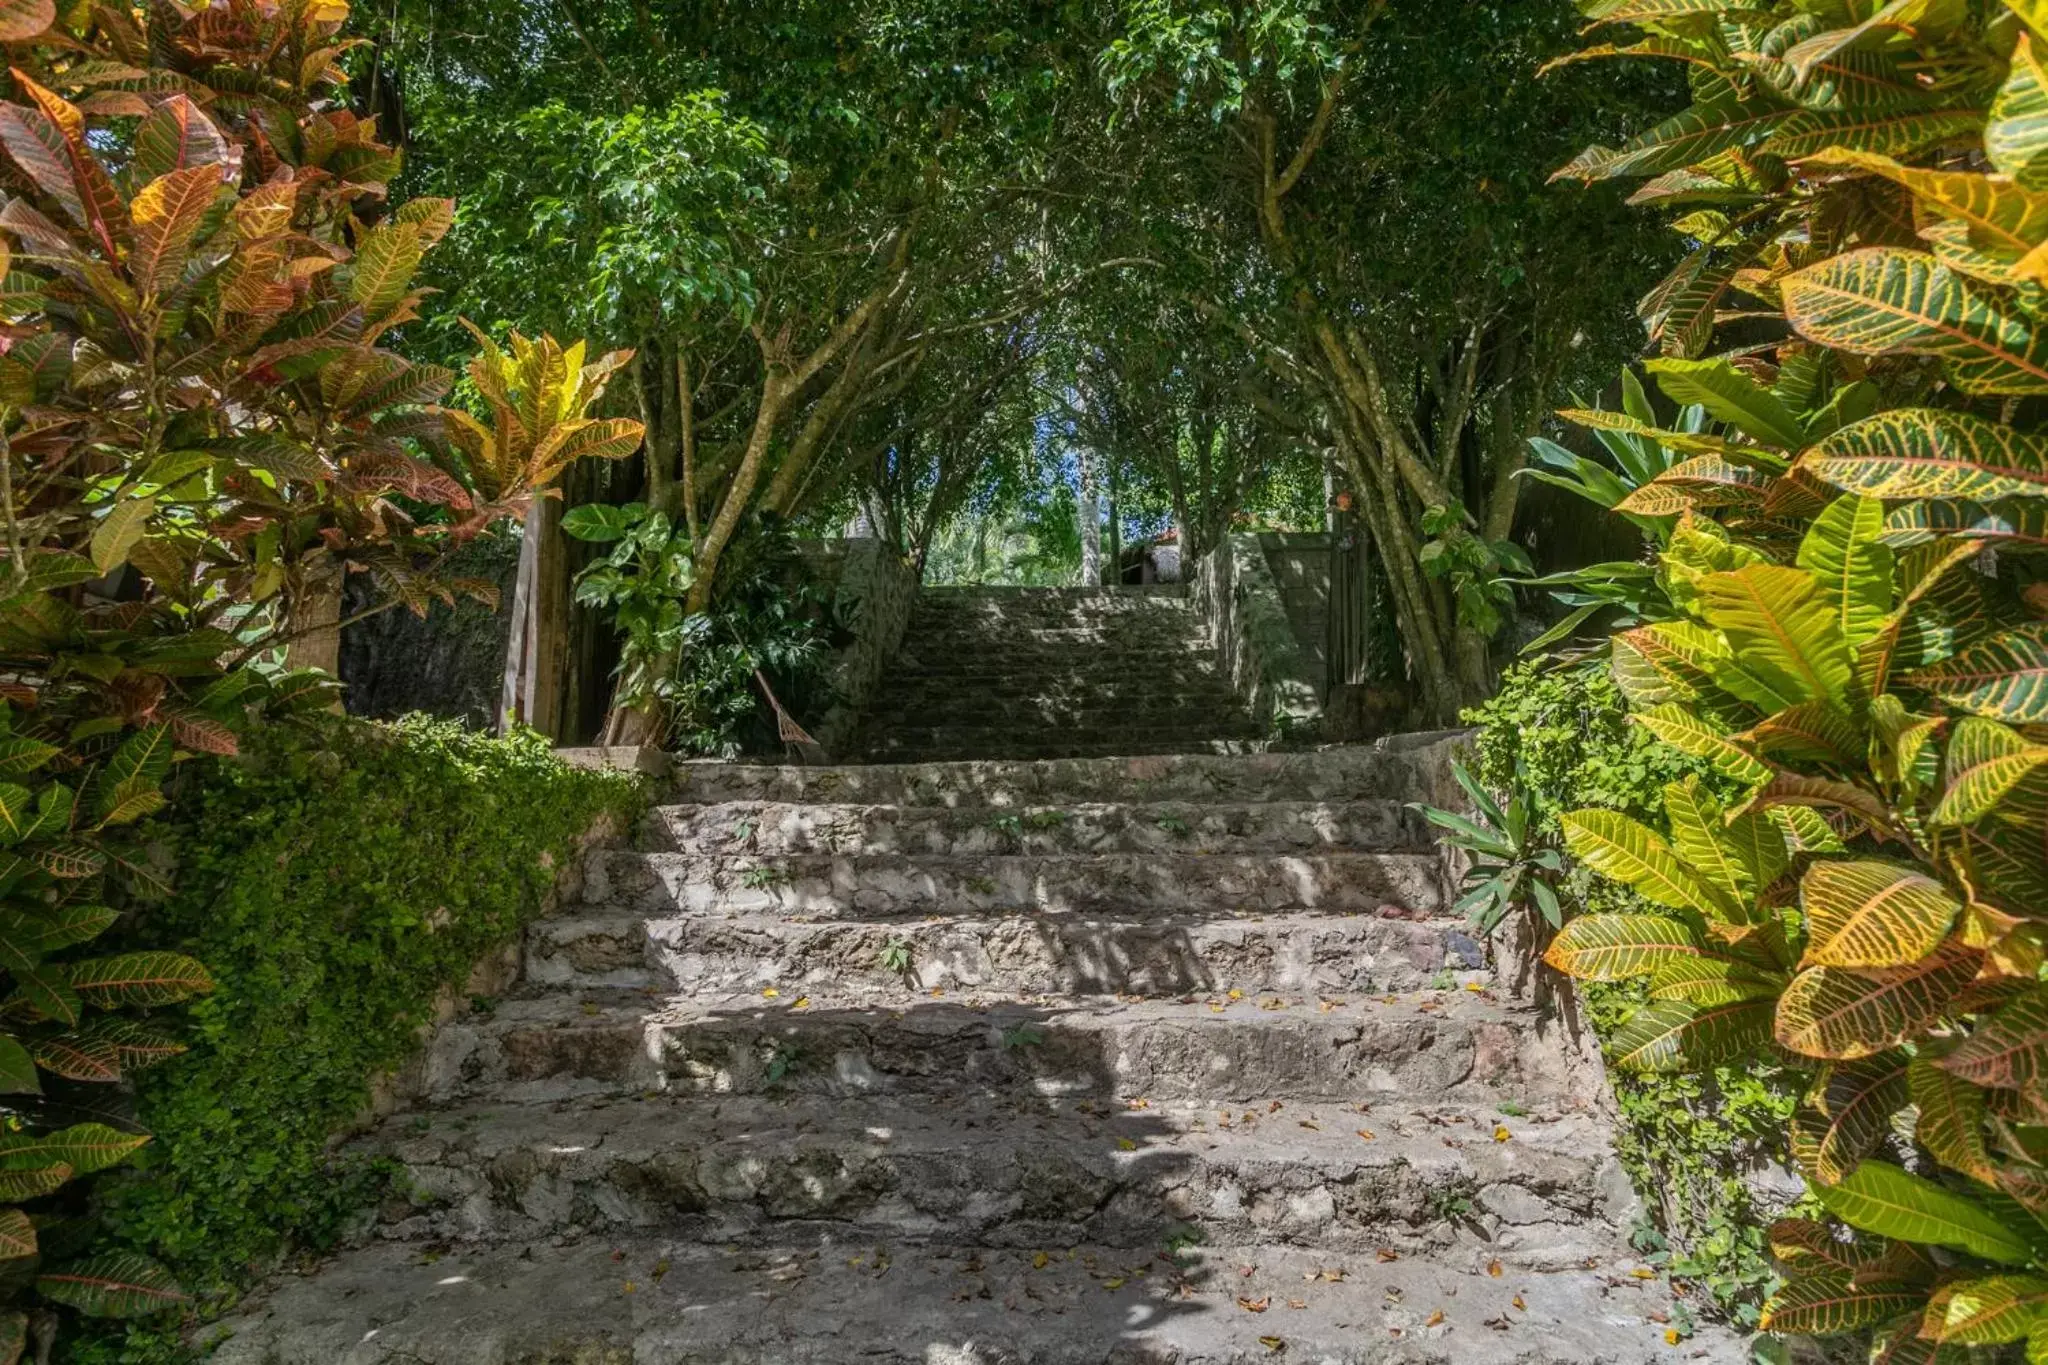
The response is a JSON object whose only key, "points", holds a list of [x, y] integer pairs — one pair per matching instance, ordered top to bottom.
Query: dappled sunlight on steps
{"points": [[1177, 1060]]}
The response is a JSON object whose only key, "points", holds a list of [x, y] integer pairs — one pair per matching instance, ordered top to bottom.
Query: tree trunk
{"points": [[316, 620]]}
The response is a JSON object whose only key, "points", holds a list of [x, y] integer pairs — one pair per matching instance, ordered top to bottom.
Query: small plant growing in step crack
{"points": [[1042, 820], [1173, 825], [1009, 826], [743, 830], [1513, 867], [765, 877], [982, 886], [896, 957], [1444, 980], [1023, 1035], [781, 1062], [1512, 1109], [1452, 1203], [1181, 1241]]}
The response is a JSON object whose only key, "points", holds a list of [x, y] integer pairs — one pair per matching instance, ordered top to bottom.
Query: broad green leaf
{"points": [[2034, 12], [1899, 132], [173, 136], [2016, 137], [1681, 140], [168, 213], [385, 261], [1890, 301], [1730, 396], [1691, 443], [1926, 453], [1699, 482], [602, 522], [2024, 523], [118, 531], [1843, 550], [1778, 623], [2004, 677], [1811, 732], [1688, 734], [19, 756], [1985, 761], [1696, 825], [1758, 843], [1634, 854], [1866, 913], [1616, 947], [153, 978], [1712, 981], [44, 994], [1845, 1013], [1677, 1035], [2010, 1049], [77, 1057], [1951, 1123], [85, 1147], [1879, 1197], [17, 1235], [113, 1286], [1831, 1305], [1989, 1310], [13, 1337]]}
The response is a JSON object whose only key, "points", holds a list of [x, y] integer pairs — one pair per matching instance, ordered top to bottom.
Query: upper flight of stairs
{"points": [[1054, 673], [1175, 1060]]}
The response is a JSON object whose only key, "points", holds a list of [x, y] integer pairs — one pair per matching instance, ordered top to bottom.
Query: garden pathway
{"points": [[1171, 1060]]}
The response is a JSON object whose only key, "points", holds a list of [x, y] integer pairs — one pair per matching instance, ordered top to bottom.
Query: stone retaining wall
{"points": [[874, 589], [1256, 644]]}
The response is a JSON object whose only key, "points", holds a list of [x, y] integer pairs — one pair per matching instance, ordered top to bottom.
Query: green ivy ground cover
{"points": [[335, 880]]}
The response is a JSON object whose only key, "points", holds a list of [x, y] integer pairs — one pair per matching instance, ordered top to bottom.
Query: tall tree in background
{"points": [[1413, 290]]}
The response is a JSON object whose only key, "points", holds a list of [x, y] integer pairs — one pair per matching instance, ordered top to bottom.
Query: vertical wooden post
{"points": [[318, 613], [537, 657]]}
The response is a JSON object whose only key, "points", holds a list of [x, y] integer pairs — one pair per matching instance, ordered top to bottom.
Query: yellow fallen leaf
{"points": [[770, 993], [1236, 995], [802, 1002], [1501, 1133], [1368, 1134], [1126, 1145], [1386, 1255], [1040, 1261], [660, 1268], [1493, 1269], [1643, 1273], [1116, 1283], [630, 1286], [1297, 1303], [1255, 1305], [1520, 1307], [1435, 1318], [1671, 1336], [1273, 1344]]}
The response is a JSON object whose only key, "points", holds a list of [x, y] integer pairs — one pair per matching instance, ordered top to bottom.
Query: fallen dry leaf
{"points": [[769, 993], [1501, 1133], [1368, 1134], [1126, 1145], [1386, 1255], [1040, 1261], [1493, 1269], [1643, 1273], [1117, 1283], [1297, 1303], [1255, 1305], [1520, 1307], [1435, 1318], [1671, 1336], [1273, 1344]]}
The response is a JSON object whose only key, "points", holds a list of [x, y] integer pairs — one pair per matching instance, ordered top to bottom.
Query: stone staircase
{"points": [[1054, 673], [1176, 1060]]}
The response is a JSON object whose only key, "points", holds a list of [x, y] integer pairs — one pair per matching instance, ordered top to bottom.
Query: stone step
{"points": [[994, 683], [1055, 717], [1051, 744], [1349, 773], [1077, 827], [838, 886], [1168, 955], [1449, 1046], [1465, 1186], [834, 1300]]}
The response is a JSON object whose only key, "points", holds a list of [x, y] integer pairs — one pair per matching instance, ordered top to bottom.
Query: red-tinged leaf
{"points": [[20, 21], [176, 135], [104, 213], [168, 213], [203, 734], [154, 978], [44, 993], [1845, 1014], [2010, 1049], [77, 1057], [1853, 1105], [85, 1147], [20, 1186], [17, 1235], [117, 1286], [1829, 1305]]}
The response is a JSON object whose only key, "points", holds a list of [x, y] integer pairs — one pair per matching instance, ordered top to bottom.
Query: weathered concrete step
{"points": [[1000, 689], [1338, 774], [1076, 827], [832, 885], [1168, 955], [1450, 1046], [1464, 1186], [649, 1300]]}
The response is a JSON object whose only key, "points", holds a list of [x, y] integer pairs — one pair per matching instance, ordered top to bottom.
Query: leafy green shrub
{"points": [[1559, 739], [336, 878]]}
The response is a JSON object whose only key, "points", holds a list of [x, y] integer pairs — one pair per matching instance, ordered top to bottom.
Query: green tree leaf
{"points": [[1730, 396], [1845, 553], [1779, 626], [2004, 677], [1986, 760], [1635, 855], [150, 978], [1678, 1035], [2010, 1049], [1879, 1197], [113, 1286], [1989, 1310]]}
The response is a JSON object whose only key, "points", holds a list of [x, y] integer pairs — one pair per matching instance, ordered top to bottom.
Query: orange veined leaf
{"points": [[21, 20], [1900, 132], [176, 135], [1691, 136], [2016, 136], [168, 213], [1890, 301], [1926, 453], [1702, 481], [1779, 626], [2004, 677], [1811, 732], [1986, 760], [1823, 793], [1634, 854], [1868, 913], [1617, 947], [151, 978], [1845, 1013], [1678, 1035], [2010, 1049], [78, 1057], [1851, 1108], [1952, 1115], [85, 1147], [18, 1186], [17, 1235], [115, 1286], [1833, 1304], [1988, 1310]]}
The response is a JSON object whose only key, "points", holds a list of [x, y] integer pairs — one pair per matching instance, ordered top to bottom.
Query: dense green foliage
{"points": [[1560, 739], [338, 878], [1866, 895]]}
